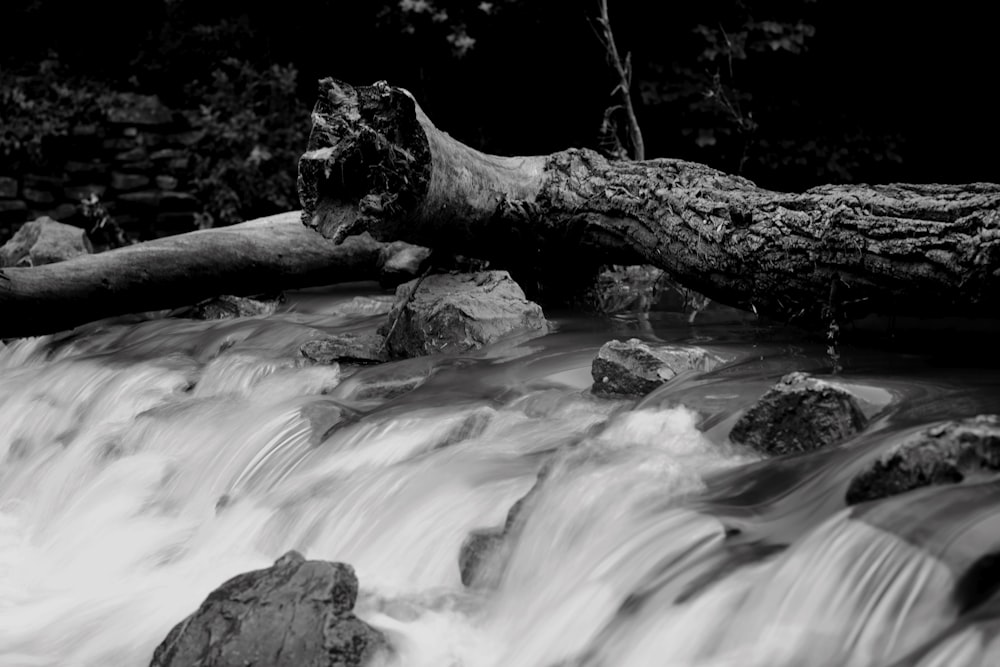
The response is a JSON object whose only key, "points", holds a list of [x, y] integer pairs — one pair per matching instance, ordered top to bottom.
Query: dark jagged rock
{"points": [[43, 241], [227, 306], [458, 313], [351, 348], [634, 368], [799, 414], [948, 453], [483, 555], [478, 558], [297, 613]]}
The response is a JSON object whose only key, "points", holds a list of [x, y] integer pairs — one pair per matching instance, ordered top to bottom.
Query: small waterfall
{"points": [[143, 464]]}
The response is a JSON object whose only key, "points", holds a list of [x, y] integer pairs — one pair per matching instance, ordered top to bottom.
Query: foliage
{"points": [[448, 20], [40, 108], [255, 130]]}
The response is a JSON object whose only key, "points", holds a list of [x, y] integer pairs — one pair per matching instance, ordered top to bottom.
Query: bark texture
{"points": [[375, 162], [270, 254]]}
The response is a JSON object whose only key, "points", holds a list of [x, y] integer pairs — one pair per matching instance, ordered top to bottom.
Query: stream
{"points": [[144, 462]]}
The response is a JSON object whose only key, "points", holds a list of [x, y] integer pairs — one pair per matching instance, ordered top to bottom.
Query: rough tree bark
{"points": [[376, 162], [259, 256]]}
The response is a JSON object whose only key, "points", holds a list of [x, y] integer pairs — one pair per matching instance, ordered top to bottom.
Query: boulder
{"points": [[43, 241], [227, 307], [458, 313], [350, 348], [635, 368], [799, 414], [948, 453], [296, 613]]}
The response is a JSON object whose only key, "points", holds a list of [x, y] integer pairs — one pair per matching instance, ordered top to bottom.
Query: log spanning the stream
{"points": [[375, 162], [269, 254]]}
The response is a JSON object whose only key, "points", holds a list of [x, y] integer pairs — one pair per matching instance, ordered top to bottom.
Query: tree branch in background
{"points": [[624, 87]]}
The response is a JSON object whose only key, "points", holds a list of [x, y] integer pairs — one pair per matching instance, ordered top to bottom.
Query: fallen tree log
{"points": [[375, 162], [265, 255]]}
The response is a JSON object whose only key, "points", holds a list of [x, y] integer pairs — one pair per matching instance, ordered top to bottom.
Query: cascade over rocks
{"points": [[43, 241], [458, 313], [635, 368], [799, 414], [966, 450], [296, 613]]}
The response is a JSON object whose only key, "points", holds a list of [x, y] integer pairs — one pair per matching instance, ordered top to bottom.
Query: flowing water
{"points": [[144, 463]]}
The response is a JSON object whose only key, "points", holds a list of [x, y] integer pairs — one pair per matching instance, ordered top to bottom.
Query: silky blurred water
{"points": [[144, 463]]}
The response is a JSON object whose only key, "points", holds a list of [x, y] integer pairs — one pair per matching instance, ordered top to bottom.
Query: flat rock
{"points": [[43, 241], [365, 305], [227, 306], [457, 313], [350, 348], [635, 368], [799, 414], [948, 453], [295, 613]]}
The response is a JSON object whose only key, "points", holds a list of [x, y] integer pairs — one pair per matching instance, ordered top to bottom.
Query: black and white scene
{"points": [[499, 333]]}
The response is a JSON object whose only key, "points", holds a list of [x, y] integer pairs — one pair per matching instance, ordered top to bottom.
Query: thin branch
{"points": [[624, 71]]}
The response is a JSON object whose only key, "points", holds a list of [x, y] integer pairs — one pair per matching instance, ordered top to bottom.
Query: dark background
{"points": [[812, 92]]}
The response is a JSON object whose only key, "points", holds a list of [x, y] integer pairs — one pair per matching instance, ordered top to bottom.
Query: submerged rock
{"points": [[43, 241], [227, 307], [458, 313], [350, 348], [635, 368], [799, 414], [948, 453], [483, 555], [478, 556], [295, 613]]}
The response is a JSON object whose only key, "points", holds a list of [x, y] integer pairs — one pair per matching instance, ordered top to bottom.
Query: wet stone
{"points": [[43, 241], [228, 306], [458, 313], [350, 348], [635, 368], [799, 414], [966, 450], [478, 556], [294, 613]]}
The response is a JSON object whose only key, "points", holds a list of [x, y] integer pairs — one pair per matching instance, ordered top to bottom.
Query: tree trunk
{"points": [[375, 162], [260, 256]]}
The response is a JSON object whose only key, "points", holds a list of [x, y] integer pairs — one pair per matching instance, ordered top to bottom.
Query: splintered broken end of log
{"points": [[367, 161], [376, 163]]}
